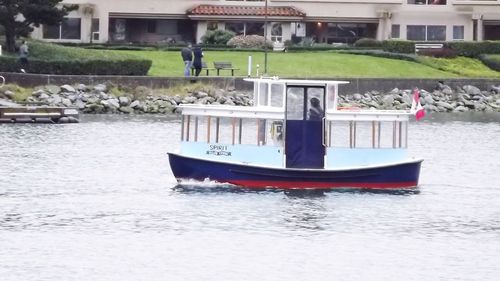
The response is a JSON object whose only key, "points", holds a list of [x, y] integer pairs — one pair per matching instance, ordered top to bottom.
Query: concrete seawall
{"points": [[356, 85]]}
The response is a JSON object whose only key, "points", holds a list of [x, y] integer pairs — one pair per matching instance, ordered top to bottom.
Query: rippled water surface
{"points": [[97, 201]]}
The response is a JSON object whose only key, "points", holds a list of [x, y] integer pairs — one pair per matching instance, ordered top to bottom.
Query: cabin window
{"points": [[277, 91], [263, 93], [315, 93], [295, 102], [332, 103], [232, 130], [367, 134]]}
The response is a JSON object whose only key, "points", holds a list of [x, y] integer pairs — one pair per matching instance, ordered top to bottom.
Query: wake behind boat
{"points": [[295, 137]]}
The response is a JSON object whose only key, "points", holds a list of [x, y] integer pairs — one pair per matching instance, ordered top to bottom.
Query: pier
{"points": [[38, 114]]}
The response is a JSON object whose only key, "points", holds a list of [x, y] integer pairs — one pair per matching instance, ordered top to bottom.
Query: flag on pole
{"points": [[416, 107]]}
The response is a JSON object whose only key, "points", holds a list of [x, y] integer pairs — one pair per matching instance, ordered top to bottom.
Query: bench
{"points": [[425, 46], [223, 65], [203, 67]]}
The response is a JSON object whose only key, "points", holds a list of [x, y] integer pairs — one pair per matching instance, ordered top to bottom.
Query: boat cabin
{"points": [[295, 124]]}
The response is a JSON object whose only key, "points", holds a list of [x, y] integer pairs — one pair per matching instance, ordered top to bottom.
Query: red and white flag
{"points": [[416, 107]]}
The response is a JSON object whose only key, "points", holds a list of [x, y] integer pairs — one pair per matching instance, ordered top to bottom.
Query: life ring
{"points": [[3, 81]]}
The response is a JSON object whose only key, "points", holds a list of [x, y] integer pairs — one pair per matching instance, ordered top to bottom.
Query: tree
{"points": [[18, 17]]}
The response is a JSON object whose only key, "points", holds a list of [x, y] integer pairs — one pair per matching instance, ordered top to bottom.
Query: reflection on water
{"points": [[97, 201], [305, 212]]}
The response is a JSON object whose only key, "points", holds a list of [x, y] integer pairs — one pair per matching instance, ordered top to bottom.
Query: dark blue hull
{"points": [[396, 176]]}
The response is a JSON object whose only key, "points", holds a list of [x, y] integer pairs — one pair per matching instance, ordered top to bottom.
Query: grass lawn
{"points": [[320, 64], [298, 65]]}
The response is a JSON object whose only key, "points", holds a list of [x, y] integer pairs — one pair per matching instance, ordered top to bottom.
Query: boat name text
{"points": [[218, 150]]}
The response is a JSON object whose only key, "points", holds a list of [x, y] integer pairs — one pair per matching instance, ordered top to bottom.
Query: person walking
{"points": [[197, 54], [23, 56], [187, 58]]}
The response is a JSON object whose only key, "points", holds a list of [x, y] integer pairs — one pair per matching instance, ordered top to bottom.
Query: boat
{"points": [[295, 136]]}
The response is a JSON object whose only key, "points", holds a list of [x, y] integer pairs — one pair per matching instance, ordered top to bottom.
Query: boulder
{"points": [[100, 88], [53, 89], [68, 89], [471, 90], [124, 101], [126, 109]]}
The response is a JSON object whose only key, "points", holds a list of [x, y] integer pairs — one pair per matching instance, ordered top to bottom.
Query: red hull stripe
{"points": [[322, 185]]}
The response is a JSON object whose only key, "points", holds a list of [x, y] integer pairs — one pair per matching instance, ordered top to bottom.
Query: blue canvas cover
{"points": [[304, 148]]}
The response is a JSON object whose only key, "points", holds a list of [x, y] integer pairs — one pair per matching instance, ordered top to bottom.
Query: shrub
{"points": [[217, 37], [248, 41], [307, 42], [368, 42], [398, 46], [492, 61]]}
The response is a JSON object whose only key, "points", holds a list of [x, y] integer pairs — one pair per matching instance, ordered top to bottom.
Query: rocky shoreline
{"points": [[101, 99]]}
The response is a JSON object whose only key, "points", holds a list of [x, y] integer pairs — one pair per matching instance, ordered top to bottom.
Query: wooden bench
{"points": [[425, 46], [224, 65], [203, 67]]}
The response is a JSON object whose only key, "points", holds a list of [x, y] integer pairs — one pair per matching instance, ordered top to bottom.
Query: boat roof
{"points": [[301, 82], [272, 112]]}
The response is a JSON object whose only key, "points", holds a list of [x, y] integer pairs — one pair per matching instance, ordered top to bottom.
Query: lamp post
{"points": [[265, 39]]}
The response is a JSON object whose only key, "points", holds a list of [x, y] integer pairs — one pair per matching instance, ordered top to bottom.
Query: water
{"points": [[97, 201]]}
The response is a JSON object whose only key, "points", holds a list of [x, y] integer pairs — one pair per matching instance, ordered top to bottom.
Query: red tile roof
{"points": [[219, 10]]}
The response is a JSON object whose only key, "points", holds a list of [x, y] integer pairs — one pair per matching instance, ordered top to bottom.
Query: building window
{"points": [[212, 25], [151, 26], [237, 27], [70, 28], [249, 28], [254, 28], [95, 29], [52, 31], [395, 31], [276, 32], [340, 32], [415, 32], [458, 32], [426, 33], [436, 33]]}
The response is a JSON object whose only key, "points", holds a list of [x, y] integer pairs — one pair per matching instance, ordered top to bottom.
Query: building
{"points": [[326, 21]]}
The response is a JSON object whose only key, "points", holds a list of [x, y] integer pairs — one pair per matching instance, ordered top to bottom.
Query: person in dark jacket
{"points": [[197, 54], [187, 58], [315, 111]]}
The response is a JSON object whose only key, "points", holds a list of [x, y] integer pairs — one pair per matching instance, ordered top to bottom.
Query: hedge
{"points": [[398, 46], [474, 49], [492, 61], [79, 67]]}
